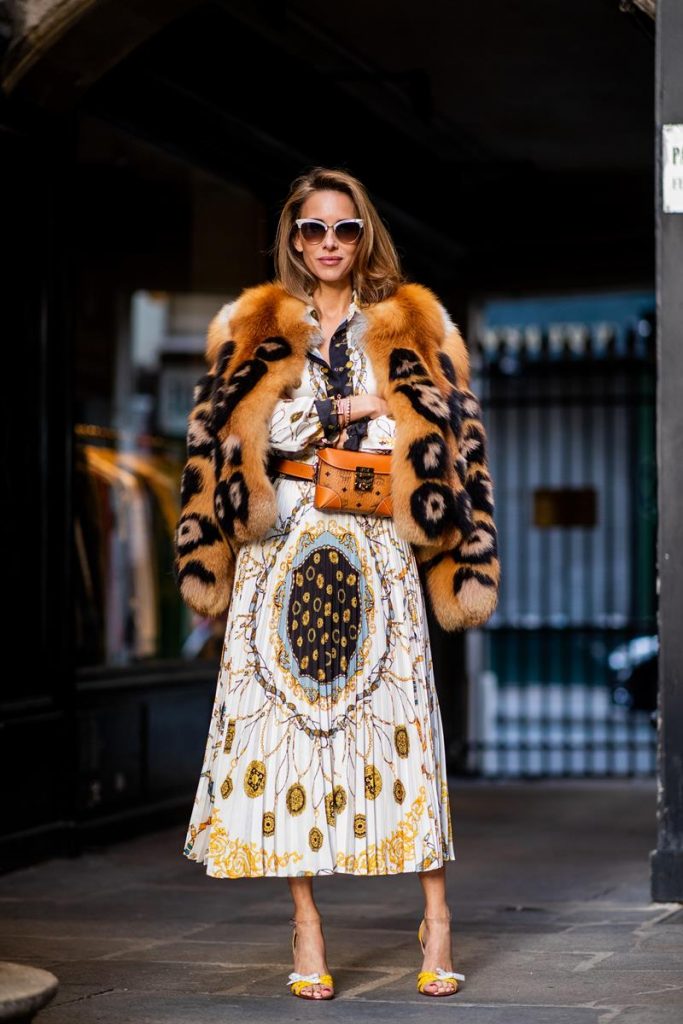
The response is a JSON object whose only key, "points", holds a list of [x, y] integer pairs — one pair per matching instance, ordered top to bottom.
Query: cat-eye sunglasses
{"points": [[314, 230]]}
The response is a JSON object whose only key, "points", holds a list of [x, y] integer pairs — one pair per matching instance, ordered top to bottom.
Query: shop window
{"points": [[155, 262], [127, 480]]}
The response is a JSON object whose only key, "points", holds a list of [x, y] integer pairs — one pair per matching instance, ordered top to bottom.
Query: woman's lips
{"points": [[330, 260]]}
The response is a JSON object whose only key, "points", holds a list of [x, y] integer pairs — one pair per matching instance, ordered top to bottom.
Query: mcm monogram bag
{"points": [[353, 481]]}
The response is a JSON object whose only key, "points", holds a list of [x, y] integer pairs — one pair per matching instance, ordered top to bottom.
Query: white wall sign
{"points": [[672, 168]]}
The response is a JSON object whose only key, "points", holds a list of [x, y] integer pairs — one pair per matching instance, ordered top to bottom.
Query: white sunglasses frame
{"points": [[343, 220]]}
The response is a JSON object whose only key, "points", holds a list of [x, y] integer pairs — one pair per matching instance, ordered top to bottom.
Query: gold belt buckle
{"points": [[365, 476]]}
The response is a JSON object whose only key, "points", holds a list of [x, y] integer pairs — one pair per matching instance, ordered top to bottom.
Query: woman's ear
{"points": [[296, 241]]}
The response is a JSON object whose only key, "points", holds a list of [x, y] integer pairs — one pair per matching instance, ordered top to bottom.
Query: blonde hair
{"points": [[376, 268]]}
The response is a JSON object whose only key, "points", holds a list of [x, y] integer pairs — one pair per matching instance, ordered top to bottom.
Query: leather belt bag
{"points": [[346, 480]]}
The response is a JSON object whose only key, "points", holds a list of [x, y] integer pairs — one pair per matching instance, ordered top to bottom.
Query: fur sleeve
{"points": [[204, 560], [463, 582]]}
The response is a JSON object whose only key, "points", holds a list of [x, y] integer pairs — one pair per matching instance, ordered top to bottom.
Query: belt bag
{"points": [[353, 481]]}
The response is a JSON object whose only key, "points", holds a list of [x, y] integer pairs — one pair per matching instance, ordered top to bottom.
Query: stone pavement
{"points": [[552, 924]]}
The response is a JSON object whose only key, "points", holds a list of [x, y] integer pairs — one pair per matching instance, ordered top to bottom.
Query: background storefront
{"points": [[143, 173]]}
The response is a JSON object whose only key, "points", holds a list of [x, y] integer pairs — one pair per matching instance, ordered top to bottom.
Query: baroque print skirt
{"points": [[325, 750]]}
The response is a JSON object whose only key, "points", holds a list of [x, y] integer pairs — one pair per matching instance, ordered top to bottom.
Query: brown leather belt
{"points": [[304, 470], [307, 470]]}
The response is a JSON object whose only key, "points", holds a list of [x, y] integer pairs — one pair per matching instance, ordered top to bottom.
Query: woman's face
{"points": [[330, 260]]}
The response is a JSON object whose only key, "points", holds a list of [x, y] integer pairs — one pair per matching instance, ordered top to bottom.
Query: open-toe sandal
{"points": [[425, 978], [300, 982]]}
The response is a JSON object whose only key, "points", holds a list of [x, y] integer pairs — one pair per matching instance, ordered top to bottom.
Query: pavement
{"points": [[552, 924]]}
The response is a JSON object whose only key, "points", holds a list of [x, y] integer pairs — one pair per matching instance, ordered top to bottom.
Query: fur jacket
{"points": [[442, 494]]}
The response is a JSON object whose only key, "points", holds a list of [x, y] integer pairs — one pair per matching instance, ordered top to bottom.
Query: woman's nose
{"points": [[330, 241]]}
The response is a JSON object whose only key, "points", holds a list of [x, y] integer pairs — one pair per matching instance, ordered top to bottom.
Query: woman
{"points": [[325, 751]]}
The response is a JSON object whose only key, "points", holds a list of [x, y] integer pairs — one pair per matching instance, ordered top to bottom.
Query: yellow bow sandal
{"points": [[424, 978], [299, 982]]}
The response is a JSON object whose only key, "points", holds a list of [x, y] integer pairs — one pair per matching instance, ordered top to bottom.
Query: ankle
{"points": [[438, 914]]}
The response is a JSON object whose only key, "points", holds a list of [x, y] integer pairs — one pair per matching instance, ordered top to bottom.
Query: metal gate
{"points": [[563, 677]]}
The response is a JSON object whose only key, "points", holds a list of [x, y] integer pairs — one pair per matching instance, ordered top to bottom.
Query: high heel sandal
{"points": [[425, 978], [298, 982]]}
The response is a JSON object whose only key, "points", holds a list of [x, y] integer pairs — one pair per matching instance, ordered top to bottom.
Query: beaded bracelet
{"points": [[343, 419]]}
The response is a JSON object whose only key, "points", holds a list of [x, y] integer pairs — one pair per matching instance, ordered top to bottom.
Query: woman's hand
{"points": [[363, 405], [367, 405]]}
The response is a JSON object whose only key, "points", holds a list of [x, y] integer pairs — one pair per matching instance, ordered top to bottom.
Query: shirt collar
{"points": [[312, 314]]}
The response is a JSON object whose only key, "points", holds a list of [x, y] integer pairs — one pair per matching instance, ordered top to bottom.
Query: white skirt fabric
{"points": [[325, 750]]}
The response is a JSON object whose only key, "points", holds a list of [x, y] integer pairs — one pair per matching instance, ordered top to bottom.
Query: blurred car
{"points": [[634, 666]]}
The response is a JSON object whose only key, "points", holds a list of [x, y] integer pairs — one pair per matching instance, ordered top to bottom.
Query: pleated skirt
{"points": [[325, 748]]}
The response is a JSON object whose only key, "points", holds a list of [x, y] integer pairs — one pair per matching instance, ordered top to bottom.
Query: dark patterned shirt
{"points": [[338, 384]]}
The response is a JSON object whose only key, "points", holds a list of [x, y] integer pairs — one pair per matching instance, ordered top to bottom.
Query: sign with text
{"points": [[672, 168]]}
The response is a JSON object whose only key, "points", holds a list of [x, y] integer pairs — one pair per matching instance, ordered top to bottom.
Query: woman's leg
{"points": [[437, 930], [309, 953]]}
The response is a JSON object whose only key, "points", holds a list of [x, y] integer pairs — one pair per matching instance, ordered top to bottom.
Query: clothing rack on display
{"points": [[95, 431], [127, 506]]}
